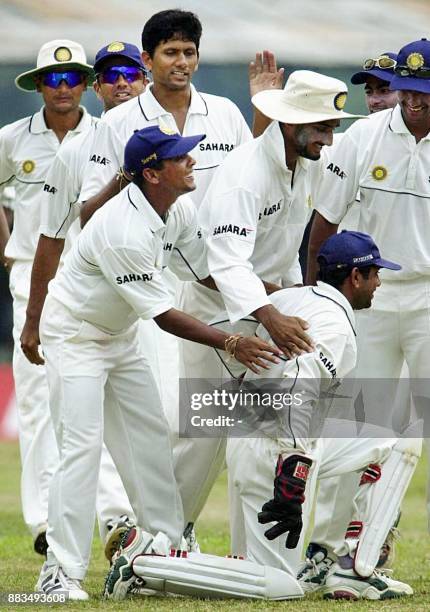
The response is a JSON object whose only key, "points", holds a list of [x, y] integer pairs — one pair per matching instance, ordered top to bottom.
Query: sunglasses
{"points": [[384, 62], [129, 73], [420, 73], [72, 78]]}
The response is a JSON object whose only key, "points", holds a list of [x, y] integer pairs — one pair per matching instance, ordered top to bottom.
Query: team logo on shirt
{"points": [[115, 47], [62, 54], [340, 100], [163, 127], [215, 146], [99, 159], [28, 166], [336, 170], [379, 173], [49, 189], [270, 210], [232, 229], [131, 278], [328, 364]]}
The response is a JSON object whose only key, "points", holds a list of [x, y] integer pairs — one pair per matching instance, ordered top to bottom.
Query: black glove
{"points": [[288, 496]]}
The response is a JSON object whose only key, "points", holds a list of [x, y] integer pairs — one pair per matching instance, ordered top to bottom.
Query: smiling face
{"points": [[173, 63], [121, 90], [378, 94], [415, 107], [308, 139]]}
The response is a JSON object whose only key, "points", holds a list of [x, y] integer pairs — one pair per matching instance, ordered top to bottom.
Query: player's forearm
{"points": [[259, 123], [112, 189], [320, 231], [4, 233], [45, 266], [183, 325]]}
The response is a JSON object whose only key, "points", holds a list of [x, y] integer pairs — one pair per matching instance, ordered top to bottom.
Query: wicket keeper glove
{"points": [[289, 494]]}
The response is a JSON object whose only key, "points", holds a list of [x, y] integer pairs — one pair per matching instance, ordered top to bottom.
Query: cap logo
{"points": [[115, 47], [62, 54], [415, 61], [340, 100], [163, 127], [152, 157], [28, 166], [379, 173], [362, 259]]}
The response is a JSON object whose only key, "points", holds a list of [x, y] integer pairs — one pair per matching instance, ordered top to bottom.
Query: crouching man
{"points": [[100, 381], [296, 452]]}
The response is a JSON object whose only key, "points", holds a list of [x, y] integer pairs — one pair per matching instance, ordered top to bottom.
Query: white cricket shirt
{"points": [[217, 117], [27, 148], [379, 156], [59, 200], [254, 216], [113, 274], [332, 328]]}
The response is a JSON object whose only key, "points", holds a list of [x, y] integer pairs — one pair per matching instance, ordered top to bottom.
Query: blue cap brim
{"points": [[101, 61], [360, 77], [411, 83], [183, 146], [385, 263]]}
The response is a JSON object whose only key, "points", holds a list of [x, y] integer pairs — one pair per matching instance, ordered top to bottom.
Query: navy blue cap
{"points": [[118, 49], [413, 67], [386, 74], [148, 146], [354, 249]]}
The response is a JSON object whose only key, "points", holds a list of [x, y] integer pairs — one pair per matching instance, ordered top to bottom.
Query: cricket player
{"points": [[120, 76], [27, 148], [385, 158], [254, 216], [349, 265], [100, 382], [333, 493]]}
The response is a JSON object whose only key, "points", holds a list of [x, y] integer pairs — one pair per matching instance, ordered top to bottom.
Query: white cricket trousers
{"points": [[394, 330], [102, 386], [38, 446], [197, 461], [251, 467]]}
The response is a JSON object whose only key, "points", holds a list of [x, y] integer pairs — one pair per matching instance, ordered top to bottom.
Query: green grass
{"points": [[19, 565]]}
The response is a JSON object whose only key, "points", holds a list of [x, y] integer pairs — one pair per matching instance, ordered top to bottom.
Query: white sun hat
{"points": [[65, 54], [306, 98]]}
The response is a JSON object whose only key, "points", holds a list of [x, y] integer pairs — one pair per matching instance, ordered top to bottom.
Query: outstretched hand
{"points": [[263, 73]]}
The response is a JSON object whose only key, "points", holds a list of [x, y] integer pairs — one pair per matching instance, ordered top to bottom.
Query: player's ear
{"points": [[147, 60], [38, 81], [96, 87], [151, 176], [356, 277]]}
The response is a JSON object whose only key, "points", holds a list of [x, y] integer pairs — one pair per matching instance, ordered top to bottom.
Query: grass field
{"points": [[19, 565]]}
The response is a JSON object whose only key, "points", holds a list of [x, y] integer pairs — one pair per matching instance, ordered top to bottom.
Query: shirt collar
{"points": [[152, 109], [38, 124], [398, 126], [275, 145], [136, 199], [327, 291]]}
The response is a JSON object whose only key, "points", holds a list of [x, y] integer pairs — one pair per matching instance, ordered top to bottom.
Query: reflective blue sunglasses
{"points": [[111, 75], [72, 78]]}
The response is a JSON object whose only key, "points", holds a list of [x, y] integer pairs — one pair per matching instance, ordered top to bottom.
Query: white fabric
{"points": [[217, 117], [27, 148], [59, 200], [394, 208], [254, 217], [119, 257], [101, 385], [38, 448], [251, 466], [209, 576]]}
